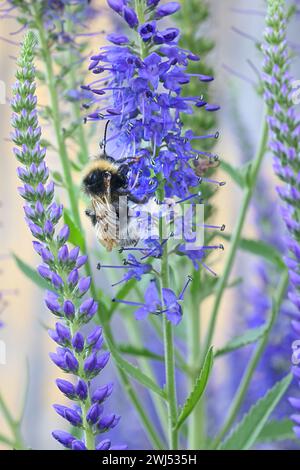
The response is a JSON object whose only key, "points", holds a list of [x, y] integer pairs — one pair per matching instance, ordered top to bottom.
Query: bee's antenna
{"points": [[105, 137]]}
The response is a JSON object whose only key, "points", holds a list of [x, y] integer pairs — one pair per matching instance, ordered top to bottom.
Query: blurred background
{"points": [[25, 316]]}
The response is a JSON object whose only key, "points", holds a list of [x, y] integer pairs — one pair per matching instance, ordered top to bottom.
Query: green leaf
{"points": [[76, 166], [234, 173], [58, 178], [76, 236], [261, 249], [30, 273], [249, 337], [141, 352], [133, 371], [198, 389], [277, 430], [245, 434]]}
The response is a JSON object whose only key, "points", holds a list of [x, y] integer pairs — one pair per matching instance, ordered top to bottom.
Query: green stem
{"points": [[247, 196], [134, 335], [256, 356], [180, 361], [169, 362]]}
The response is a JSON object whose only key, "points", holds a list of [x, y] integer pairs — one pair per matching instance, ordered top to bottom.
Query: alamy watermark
{"points": [[167, 220], [296, 352]]}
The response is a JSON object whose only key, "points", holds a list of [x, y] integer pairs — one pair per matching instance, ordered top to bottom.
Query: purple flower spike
{"points": [[283, 123], [60, 267]]}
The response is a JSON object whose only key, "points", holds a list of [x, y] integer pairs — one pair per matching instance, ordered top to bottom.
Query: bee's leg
{"points": [[131, 197], [92, 215]]}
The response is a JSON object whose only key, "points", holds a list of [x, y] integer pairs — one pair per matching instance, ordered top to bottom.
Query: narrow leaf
{"points": [[234, 173], [76, 236], [29, 272], [249, 337], [141, 352], [133, 371], [198, 389], [277, 430], [245, 434]]}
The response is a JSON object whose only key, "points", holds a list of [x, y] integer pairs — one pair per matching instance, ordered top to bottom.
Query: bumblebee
{"points": [[105, 180]]}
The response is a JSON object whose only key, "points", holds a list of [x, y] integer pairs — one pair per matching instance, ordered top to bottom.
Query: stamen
{"points": [[208, 136], [208, 180], [188, 198], [216, 227], [213, 247], [208, 269], [189, 280], [127, 302]]}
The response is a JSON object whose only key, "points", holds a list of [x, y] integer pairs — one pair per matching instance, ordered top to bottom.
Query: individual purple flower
{"points": [[167, 9], [147, 30], [284, 125], [134, 269], [169, 304], [78, 352]]}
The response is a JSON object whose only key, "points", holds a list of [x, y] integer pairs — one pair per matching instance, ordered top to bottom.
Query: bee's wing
{"points": [[107, 223]]}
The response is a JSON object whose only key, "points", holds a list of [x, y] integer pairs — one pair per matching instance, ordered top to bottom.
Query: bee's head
{"points": [[96, 181]]}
